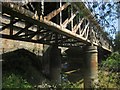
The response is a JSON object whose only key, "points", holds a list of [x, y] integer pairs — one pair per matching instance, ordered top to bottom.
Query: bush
{"points": [[112, 63], [109, 72], [14, 81], [62, 86]]}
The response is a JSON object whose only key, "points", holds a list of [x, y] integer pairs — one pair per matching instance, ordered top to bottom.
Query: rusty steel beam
{"points": [[28, 16], [24, 39]]}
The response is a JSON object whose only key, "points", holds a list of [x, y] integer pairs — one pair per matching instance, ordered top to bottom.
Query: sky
{"points": [[111, 19]]}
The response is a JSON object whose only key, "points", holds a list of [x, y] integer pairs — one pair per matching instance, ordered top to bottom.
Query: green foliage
{"points": [[112, 62], [109, 73], [108, 79], [14, 81], [69, 84], [63, 85]]}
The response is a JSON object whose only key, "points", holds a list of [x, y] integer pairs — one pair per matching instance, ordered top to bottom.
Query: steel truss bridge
{"points": [[69, 24]]}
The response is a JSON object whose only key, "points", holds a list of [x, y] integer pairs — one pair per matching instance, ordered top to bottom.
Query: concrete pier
{"points": [[55, 64], [91, 67]]}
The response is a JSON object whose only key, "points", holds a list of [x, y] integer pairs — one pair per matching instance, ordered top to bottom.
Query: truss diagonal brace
{"points": [[55, 12], [28, 17], [69, 19], [8, 25], [76, 27], [85, 29], [22, 30], [37, 32]]}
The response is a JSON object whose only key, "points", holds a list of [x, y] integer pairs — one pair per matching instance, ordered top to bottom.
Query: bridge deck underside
{"points": [[61, 24]]}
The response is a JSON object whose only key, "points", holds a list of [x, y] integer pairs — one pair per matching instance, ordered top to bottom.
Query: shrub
{"points": [[112, 63], [109, 72], [14, 81]]}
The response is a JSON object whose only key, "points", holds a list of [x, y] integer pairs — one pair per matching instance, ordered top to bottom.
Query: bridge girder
{"points": [[73, 29]]}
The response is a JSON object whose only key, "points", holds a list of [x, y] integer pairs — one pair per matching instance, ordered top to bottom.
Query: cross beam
{"points": [[84, 29]]}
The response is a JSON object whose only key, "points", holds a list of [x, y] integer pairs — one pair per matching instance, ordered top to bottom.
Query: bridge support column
{"points": [[55, 64], [91, 67]]}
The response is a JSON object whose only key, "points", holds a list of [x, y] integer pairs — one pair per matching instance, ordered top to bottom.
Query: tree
{"points": [[106, 14]]}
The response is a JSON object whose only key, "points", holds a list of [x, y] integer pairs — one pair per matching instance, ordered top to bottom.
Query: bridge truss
{"points": [[67, 24]]}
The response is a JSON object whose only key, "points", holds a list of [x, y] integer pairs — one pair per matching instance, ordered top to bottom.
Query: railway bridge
{"points": [[64, 24]]}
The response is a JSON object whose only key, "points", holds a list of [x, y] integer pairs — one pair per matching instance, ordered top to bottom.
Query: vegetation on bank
{"points": [[109, 72], [109, 76], [15, 81]]}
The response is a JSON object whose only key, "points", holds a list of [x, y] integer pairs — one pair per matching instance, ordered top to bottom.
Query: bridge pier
{"points": [[55, 64], [91, 67]]}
